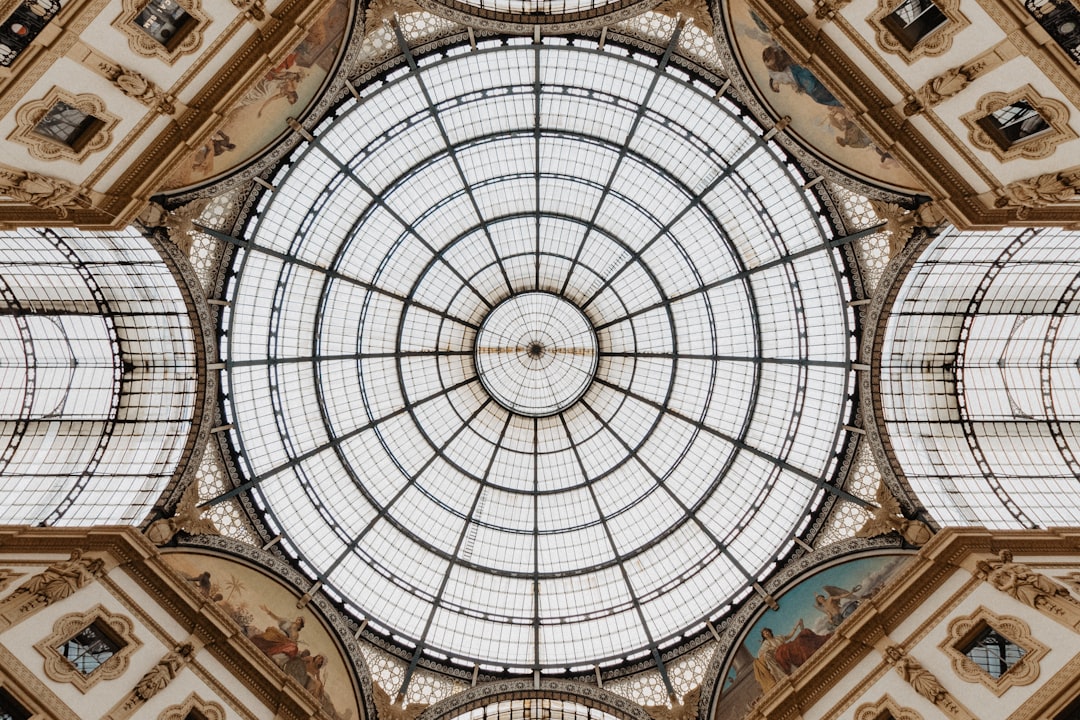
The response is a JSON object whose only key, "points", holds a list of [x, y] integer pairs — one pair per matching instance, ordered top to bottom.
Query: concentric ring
{"points": [[536, 354], [608, 516]]}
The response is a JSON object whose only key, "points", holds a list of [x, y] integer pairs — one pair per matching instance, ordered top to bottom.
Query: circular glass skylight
{"points": [[536, 353], [538, 356]]}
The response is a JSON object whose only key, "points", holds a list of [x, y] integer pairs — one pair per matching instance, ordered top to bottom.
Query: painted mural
{"points": [[817, 116], [259, 117], [295, 640], [780, 641]]}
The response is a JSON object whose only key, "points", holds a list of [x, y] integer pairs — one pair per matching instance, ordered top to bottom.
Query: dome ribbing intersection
{"points": [[538, 356]]}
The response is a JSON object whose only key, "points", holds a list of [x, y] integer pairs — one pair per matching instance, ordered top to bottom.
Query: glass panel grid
{"points": [[460, 514]]}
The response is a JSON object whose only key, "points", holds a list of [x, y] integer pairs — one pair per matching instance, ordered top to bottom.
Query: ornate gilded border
{"points": [[937, 42], [144, 45], [1055, 113], [30, 114], [962, 630], [59, 669], [193, 703], [886, 707]]}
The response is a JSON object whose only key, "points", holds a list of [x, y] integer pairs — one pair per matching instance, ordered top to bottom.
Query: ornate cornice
{"points": [[568, 690]]}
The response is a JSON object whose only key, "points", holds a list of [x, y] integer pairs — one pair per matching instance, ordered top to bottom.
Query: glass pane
{"points": [[88, 650]]}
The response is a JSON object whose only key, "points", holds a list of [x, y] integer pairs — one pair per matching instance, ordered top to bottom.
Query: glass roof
{"points": [[98, 379], [979, 384], [420, 460]]}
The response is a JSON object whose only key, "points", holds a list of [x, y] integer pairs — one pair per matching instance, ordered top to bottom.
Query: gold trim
{"points": [[937, 41], [143, 44], [1055, 113], [96, 138], [119, 627], [963, 630], [886, 707], [204, 709]]}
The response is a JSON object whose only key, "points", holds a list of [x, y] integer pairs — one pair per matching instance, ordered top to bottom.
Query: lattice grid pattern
{"points": [[213, 481], [847, 517]]}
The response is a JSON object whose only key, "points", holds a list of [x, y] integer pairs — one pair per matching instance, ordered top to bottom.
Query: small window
{"points": [[913, 20], [166, 21], [1014, 124], [68, 125], [89, 648], [993, 652], [10, 708]]}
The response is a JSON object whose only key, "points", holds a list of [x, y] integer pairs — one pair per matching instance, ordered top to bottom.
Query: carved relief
{"points": [[252, 9], [695, 10], [935, 42], [143, 43], [952, 81], [138, 86], [96, 135], [1040, 145], [42, 191], [1039, 191], [187, 516], [888, 518], [7, 576], [54, 583], [1031, 588], [119, 630], [962, 631], [154, 681], [924, 682], [194, 705], [885, 707], [685, 710]]}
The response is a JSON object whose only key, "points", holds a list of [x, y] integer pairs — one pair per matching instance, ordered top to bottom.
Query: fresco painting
{"points": [[817, 116], [259, 117], [295, 640], [782, 640]]}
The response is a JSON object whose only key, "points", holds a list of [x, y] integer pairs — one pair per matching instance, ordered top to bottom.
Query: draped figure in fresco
{"points": [[780, 655]]}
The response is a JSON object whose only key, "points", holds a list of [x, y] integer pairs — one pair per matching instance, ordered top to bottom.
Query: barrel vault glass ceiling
{"points": [[538, 356]]}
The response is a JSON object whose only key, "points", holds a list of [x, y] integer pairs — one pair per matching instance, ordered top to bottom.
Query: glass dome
{"points": [[538, 355]]}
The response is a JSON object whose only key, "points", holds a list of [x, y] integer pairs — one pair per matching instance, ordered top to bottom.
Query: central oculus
{"points": [[536, 354]]}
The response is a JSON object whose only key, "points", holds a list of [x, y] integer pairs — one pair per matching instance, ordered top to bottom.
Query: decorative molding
{"points": [[937, 42], [143, 44], [97, 137], [1041, 145], [1039, 191], [888, 516], [187, 517], [7, 576], [54, 583], [1032, 588], [732, 629], [964, 630], [121, 631], [924, 682], [31, 691], [493, 692], [885, 707], [207, 710]]}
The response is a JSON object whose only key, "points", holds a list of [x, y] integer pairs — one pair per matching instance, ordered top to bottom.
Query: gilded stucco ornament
{"points": [[137, 86], [42, 191], [1039, 191], [179, 222], [901, 222], [188, 517], [887, 518], [56, 582], [1032, 588], [924, 682], [392, 708], [684, 710]]}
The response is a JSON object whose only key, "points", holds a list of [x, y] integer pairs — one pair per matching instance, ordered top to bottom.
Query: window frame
{"points": [[120, 630], [962, 633]]}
